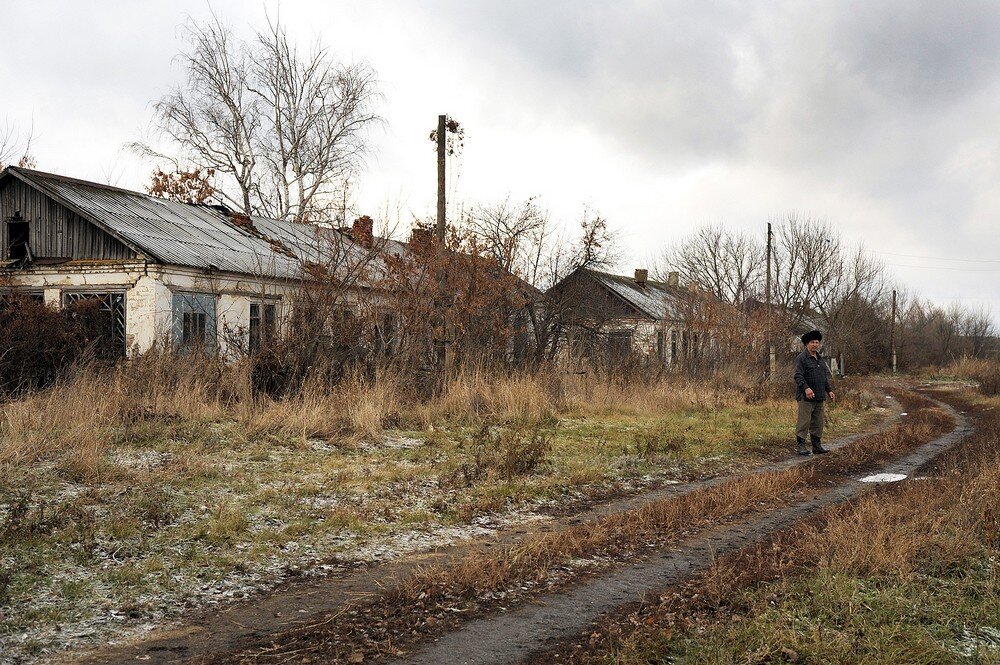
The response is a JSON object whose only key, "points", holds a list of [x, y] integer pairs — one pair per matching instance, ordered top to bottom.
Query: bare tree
{"points": [[282, 129], [15, 146], [509, 232], [728, 264], [978, 329]]}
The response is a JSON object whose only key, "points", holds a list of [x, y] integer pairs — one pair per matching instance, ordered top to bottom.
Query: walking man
{"points": [[812, 387]]}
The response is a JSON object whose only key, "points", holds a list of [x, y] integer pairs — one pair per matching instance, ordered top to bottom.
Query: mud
{"points": [[303, 602], [547, 621]]}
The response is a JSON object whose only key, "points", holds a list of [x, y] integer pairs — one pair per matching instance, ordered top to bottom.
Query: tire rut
{"points": [[300, 602], [548, 620]]}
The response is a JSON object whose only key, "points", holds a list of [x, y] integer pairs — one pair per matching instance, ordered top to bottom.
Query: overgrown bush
{"points": [[37, 343], [502, 454]]}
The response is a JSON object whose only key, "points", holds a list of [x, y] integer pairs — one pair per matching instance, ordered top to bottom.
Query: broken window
{"points": [[17, 241], [103, 316], [263, 324], [194, 328], [386, 332], [619, 343], [660, 345]]}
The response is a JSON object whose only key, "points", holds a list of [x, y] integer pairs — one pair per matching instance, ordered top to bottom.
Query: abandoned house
{"points": [[163, 271], [615, 316]]}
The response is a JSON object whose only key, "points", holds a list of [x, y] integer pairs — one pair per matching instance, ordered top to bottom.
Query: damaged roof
{"points": [[198, 236], [657, 300]]}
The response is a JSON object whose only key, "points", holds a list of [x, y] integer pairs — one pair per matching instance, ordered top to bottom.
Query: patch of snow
{"points": [[402, 442], [883, 478], [978, 641]]}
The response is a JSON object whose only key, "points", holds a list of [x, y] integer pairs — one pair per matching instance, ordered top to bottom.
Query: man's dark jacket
{"points": [[811, 373]]}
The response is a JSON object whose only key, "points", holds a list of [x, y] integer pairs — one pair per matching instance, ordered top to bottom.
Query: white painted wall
{"points": [[149, 291], [147, 314]]}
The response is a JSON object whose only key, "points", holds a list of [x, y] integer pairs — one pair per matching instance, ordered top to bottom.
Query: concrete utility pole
{"points": [[892, 332], [771, 359]]}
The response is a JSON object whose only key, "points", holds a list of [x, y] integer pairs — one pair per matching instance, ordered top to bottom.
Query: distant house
{"points": [[161, 270], [615, 316], [790, 323]]}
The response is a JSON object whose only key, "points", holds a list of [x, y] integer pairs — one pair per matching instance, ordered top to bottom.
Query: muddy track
{"points": [[301, 602], [549, 620]]}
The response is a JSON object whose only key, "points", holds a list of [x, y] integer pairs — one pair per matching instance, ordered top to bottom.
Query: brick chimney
{"points": [[362, 231], [420, 238], [641, 275], [673, 280]]}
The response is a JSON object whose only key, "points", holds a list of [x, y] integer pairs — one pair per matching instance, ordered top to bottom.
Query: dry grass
{"points": [[986, 373], [88, 410], [485, 573], [895, 576]]}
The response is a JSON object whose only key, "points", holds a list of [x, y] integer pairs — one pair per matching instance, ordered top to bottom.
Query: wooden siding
{"points": [[55, 230], [589, 301]]}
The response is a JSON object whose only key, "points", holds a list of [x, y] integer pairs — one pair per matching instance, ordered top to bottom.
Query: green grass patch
{"points": [[836, 618]]}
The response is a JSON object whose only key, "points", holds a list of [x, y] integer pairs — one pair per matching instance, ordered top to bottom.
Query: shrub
{"points": [[38, 342]]}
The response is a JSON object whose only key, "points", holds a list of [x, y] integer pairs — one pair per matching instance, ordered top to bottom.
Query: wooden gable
{"points": [[53, 230], [590, 300]]}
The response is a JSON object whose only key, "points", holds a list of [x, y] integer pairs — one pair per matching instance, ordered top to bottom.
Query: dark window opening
{"points": [[17, 245], [195, 324], [263, 324], [386, 332], [583, 341], [619, 343], [660, 346], [673, 346]]}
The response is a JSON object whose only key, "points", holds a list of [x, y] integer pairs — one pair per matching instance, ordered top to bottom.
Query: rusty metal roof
{"points": [[198, 236]]}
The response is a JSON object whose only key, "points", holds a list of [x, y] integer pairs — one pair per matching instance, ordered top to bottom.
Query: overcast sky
{"points": [[879, 117]]}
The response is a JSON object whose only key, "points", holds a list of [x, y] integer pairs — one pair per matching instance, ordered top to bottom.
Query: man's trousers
{"points": [[810, 421]]}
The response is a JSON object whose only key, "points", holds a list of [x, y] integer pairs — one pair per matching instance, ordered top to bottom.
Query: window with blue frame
{"points": [[194, 322]]}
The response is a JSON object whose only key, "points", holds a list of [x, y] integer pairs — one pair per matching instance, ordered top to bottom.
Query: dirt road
{"points": [[510, 636]]}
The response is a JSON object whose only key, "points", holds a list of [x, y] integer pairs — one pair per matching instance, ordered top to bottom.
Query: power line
{"points": [[938, 258], [900, 265]]}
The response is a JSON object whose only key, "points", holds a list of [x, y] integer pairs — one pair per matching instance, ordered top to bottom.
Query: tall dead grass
{"points": [[986, 373], [91, 407], [933, 527]]}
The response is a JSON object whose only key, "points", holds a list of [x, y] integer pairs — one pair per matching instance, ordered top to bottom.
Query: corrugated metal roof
{"points": [[199, 236], [657, 299]]}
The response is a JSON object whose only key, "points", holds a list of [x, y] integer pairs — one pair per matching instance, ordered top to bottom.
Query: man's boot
{"points": [[817, 445], [802, 450]]}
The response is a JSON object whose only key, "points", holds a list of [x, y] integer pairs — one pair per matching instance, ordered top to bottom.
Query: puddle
{"points": [[883, 478]]}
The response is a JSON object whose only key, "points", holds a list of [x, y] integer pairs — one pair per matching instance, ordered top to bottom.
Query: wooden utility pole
{"points": [[441, 132], [441, 326], [892, 332], [771, 359]]}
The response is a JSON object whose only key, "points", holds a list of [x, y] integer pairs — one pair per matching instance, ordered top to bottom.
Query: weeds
{"points": [[179, 461], [485, 574], [902, 575]]}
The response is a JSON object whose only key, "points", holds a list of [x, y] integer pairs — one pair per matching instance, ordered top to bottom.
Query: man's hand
{"points": [[809, 393], [833, 396]]}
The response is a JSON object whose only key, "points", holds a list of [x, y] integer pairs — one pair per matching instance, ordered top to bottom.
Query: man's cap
{"points": [[811, 335]]}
